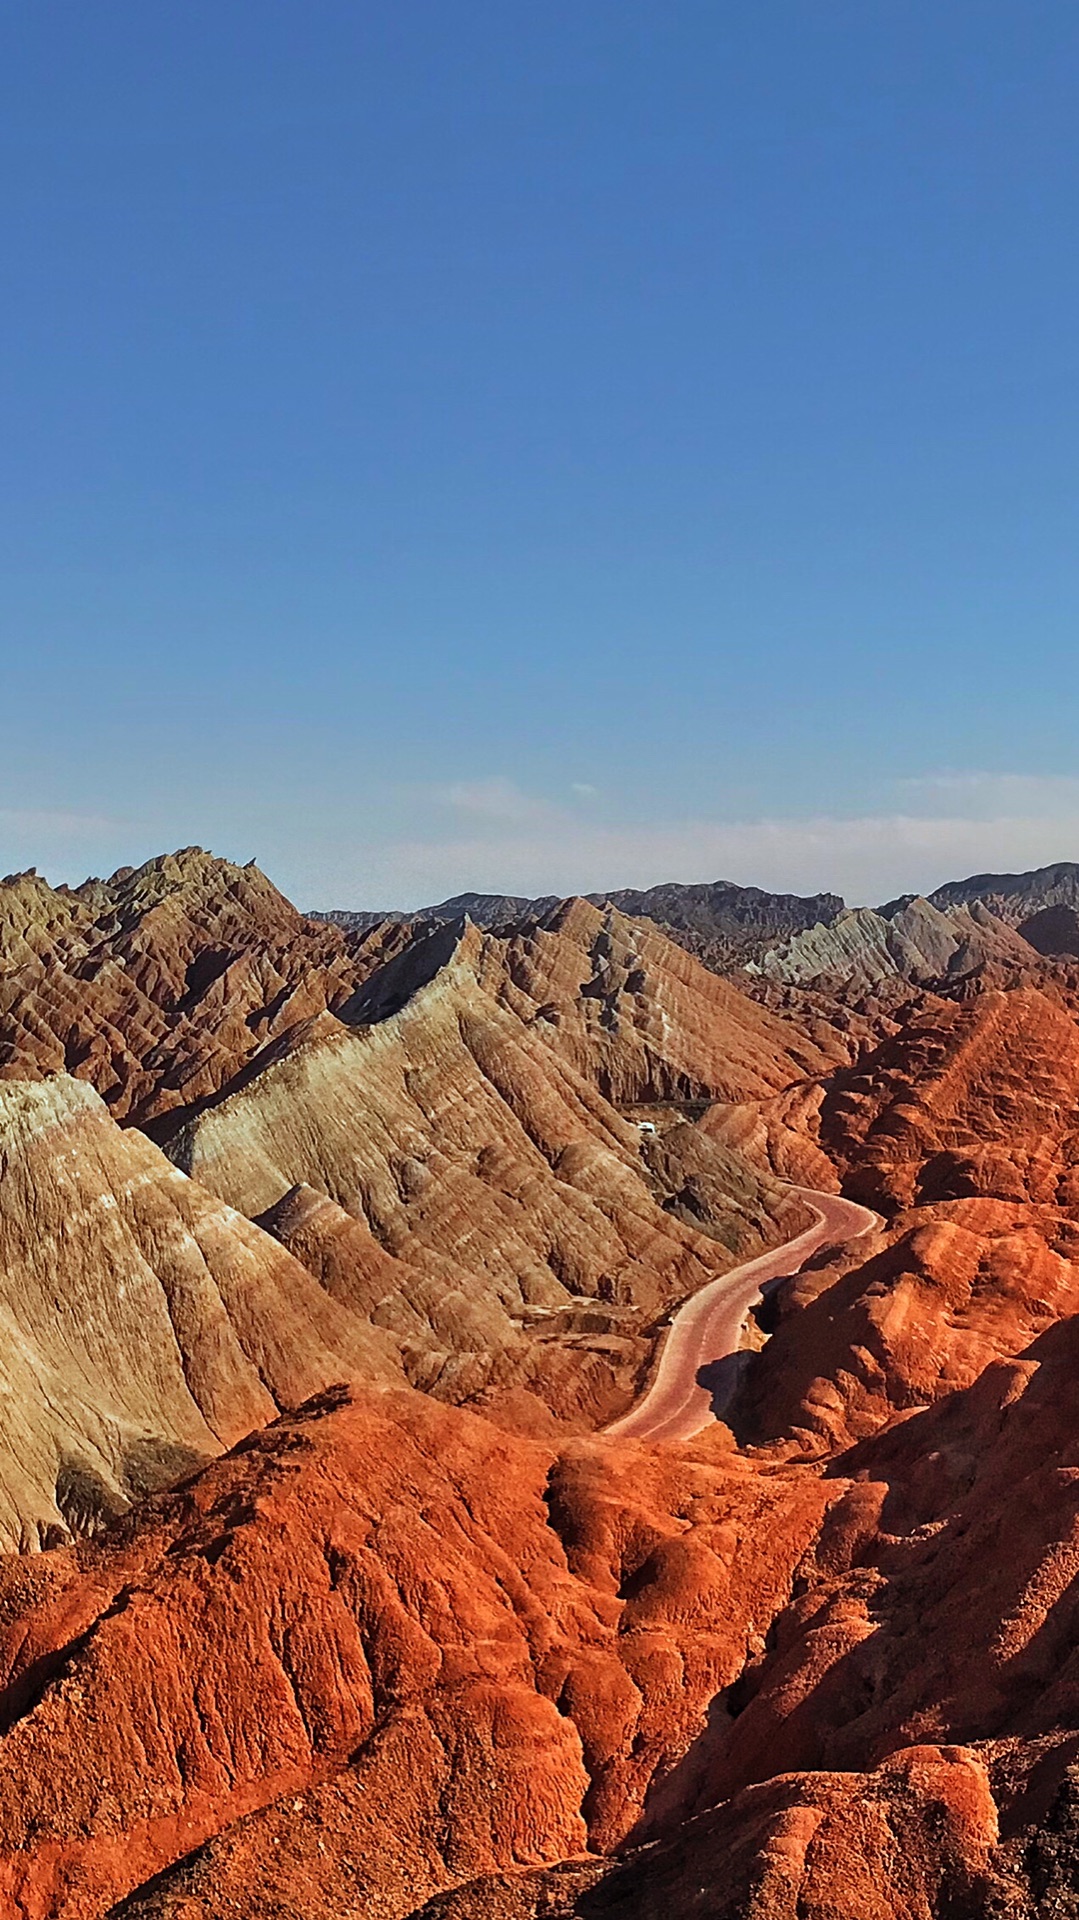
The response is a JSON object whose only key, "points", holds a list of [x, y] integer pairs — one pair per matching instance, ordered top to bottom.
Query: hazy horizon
{"points": [[398, 906]]}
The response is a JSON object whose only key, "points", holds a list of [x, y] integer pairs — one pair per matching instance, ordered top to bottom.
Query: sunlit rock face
{"points": [[327, 1592]]}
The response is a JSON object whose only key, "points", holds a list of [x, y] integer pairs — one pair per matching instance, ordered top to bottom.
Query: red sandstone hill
{"points": [[156, 985], [430, 1647], [381, 1649], [463, 1656]]}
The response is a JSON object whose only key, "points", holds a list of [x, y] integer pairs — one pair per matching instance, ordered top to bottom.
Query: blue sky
{"points": [[540, 448]]}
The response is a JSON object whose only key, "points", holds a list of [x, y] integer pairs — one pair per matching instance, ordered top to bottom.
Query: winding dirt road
{"points": [[708, 1327]]}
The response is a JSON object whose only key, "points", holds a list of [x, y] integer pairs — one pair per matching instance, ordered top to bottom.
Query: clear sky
{"points": [[469, 443]]}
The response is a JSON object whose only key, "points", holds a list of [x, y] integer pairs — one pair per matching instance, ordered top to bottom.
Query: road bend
{"points": [[708, 1326]]}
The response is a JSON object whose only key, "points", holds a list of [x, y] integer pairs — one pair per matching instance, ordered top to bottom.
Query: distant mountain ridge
{"points": [[1015, 897], [486, 910], [723, 923], [965, 925]]}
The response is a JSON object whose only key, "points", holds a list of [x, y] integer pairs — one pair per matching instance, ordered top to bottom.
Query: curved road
{"points": [[708, 1326]]}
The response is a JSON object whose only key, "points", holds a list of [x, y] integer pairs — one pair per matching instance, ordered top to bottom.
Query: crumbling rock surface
{"points": [[863, 950], [157, 985], [146, 1325], [381, 1649], [912, 1839]]}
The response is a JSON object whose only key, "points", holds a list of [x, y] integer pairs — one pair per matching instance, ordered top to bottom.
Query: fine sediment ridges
{"points": [[914, 943], [157, 985], [503, 1219], [146, 1325], [429, 1646]]}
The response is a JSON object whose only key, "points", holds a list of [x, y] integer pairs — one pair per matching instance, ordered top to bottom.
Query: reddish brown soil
{"points": [[397, 1656]]}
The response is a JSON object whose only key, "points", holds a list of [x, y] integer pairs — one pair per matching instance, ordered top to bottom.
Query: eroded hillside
{"points": [[414, 1636]]}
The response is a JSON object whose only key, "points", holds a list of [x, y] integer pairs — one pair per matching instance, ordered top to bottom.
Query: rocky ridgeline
{"points": [[721, 923], [990, 924], [915, 944], [431, 1186], [348, 1605]]}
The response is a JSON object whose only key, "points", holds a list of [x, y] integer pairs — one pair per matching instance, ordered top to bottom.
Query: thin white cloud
{"points": [[493, 799]]}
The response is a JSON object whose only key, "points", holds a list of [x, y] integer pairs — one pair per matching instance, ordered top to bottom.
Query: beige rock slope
{"points": [[863, 949], [641, 1016], [451, 1171], [145, 1325]]}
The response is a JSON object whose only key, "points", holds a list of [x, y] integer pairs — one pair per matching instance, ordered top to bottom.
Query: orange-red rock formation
{"points": [[966, 1099], [381, 1649], [450, 1653], [913, 1838]]}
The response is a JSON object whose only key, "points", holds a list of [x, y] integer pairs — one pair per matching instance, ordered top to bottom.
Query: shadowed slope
{"points": [[145, 1324]]}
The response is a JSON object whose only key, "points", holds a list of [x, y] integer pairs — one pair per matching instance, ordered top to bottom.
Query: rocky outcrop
{"points": [[1014, 897], [724, 924], [914, 943], [164, 983], [158, 985], [644, 1019], [963, 1100], [960, 1128], [955, 1288], [146, 1325], [956, 1617], [380, 1650], [469, 1662], [913, 1838]]}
